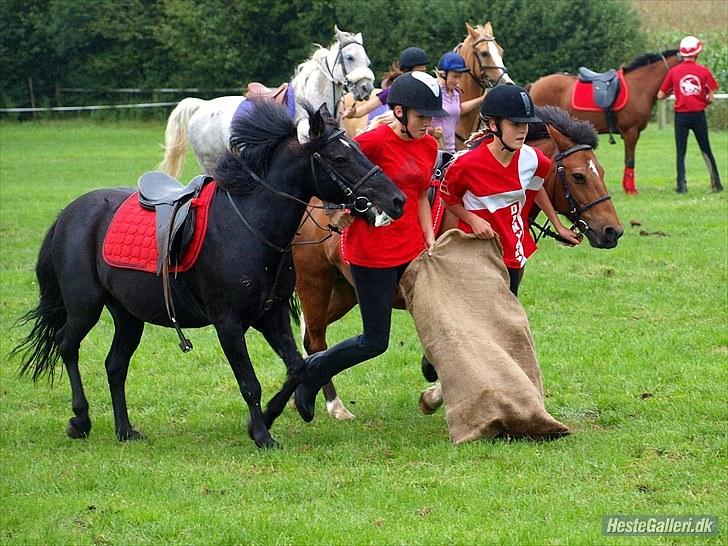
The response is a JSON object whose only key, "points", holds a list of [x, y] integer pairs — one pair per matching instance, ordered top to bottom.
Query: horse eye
{"points": [[349, 58], [580, 178]]}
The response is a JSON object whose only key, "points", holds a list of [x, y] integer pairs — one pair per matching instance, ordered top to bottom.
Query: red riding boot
{"points": [[628, 181]]}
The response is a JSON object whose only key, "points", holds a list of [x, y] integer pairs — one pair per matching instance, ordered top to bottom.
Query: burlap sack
{"points": [[476, 334]]}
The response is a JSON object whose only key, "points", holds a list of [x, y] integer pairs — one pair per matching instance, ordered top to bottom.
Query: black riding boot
{"points": [[428, 370], [319, 372]]}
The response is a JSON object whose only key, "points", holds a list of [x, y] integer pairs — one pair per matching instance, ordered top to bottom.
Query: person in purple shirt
{"points": [[412, 59], [451, 68]]}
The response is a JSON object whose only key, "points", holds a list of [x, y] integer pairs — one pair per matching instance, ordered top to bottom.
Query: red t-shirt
{"points": [[690, 82], [409, 164], [503, 196]]}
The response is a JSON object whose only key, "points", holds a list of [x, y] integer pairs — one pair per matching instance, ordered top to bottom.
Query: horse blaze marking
{"points": [[345, 143], [593, 167]]}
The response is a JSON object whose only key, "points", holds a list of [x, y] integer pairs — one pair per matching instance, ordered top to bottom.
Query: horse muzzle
{"points": [[362, 89], [606, 237]]}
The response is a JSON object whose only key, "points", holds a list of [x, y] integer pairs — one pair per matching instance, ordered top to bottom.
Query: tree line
{"points": [[101, 44]]}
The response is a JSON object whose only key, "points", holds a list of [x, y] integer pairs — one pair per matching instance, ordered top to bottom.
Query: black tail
{"points": [[40, 350]]}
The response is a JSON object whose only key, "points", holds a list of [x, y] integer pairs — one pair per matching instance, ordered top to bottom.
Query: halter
{"points": [[329, 72], [483, 81], [575, 210]]}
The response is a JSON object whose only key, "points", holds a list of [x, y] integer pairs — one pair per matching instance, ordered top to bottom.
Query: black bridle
{"points": [[340, 61], [482, 79], [358, 203], [580, 226]]}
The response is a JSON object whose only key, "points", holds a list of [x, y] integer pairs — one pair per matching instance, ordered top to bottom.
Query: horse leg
{"points": [[630, 143], [343, 299], [275, 325], [77, 326], [127, 335], [232, 341]]}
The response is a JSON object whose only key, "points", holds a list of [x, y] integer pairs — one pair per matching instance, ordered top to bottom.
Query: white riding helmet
{"points": [[690, 46]]}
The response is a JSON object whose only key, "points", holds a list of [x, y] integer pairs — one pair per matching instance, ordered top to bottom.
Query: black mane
{"points": [[649, 58], [580, 131], [254, 137]]}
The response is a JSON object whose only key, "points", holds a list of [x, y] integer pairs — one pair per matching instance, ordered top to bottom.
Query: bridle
{"points": [[329, 72], [482, 79], [357, 203], [580, 226]]}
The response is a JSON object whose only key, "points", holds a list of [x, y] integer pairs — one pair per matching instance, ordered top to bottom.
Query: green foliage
{"points": [[218, 43]]}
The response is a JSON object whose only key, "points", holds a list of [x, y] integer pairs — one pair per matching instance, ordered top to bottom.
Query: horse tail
{"points": [[175, 136], [40, 350]]}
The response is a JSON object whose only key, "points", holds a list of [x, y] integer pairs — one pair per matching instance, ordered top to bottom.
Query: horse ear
{"points": [[488, 28], [471, 31], [339, 35], [359, 38], [324, 111], [318, 123], [562, 141]]}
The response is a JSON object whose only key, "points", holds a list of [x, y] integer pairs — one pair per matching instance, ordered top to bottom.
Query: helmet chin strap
{"points": [[403, 121], [499, 135]]}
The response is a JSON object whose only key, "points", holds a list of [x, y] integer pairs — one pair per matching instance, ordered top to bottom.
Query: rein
{"points": [[359, 203], [580, 226]]}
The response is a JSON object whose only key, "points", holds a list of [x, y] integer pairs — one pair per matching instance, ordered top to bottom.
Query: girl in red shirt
{"points": [[694, 87], [492, 187], [379, 255]]}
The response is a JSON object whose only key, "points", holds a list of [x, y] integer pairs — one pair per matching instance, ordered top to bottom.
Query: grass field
{"points": [[633, 345]]}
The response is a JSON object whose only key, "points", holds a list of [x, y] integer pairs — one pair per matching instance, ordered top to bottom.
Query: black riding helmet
{"points": [[412, 56], [418, 91], [509, 102]]}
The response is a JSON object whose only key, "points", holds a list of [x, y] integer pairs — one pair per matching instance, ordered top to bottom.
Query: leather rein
{"points": [[580, 226]]}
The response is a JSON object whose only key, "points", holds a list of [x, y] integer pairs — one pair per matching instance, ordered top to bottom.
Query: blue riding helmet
{"points": [[452, 62]]}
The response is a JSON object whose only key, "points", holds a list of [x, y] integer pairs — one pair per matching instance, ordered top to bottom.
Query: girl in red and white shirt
{"points": [[492, 187], [379, 255]]}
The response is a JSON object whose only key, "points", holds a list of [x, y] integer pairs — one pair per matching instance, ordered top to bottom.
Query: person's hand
{"points": [[349, 112], [381, 119], [481, 228], [571, 238], [429, 243]]}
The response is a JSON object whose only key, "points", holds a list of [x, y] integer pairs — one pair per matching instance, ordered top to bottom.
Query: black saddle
{"points": [[605, 85], [171, 202]]}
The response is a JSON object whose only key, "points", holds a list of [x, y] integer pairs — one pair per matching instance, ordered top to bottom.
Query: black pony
{"points": [[242, 278]]}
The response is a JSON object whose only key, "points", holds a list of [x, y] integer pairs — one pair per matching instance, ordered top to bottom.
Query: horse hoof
{"points": [[430, 400], [337, 410], [78, 427], [129, 435], [268, 443]]}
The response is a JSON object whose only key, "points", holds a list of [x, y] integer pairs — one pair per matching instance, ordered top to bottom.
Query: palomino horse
{"points": [[483, 56], [643, 77], [319, 80], [576, 188], [242, 277]]}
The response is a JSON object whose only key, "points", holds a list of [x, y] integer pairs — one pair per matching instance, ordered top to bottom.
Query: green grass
{"points": [[632, 342]]}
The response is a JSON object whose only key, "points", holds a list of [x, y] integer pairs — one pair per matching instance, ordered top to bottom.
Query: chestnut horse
{"points": [[483, 56], [643, 77], [575, 185]]}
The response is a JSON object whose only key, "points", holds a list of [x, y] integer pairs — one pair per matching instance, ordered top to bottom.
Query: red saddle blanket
{"points": [[582, 97], [131, 242]]}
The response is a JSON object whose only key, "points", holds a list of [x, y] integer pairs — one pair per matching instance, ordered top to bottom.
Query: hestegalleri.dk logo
{"points": [[659, 525]]}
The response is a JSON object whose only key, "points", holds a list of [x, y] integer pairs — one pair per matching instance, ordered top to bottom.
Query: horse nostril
{"points": [[398, 203], [612, 234]]}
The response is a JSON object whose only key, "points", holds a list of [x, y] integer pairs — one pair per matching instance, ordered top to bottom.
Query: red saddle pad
{"points": [[582, 97], [131, 243]]}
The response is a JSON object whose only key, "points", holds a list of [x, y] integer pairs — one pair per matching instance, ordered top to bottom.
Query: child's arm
{"points": [[544, 203], [425, 217], [481, 228]]}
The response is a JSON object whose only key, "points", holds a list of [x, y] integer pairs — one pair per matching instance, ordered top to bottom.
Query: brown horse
{"points": [[484, 57], [643, 77], [575, 185]]}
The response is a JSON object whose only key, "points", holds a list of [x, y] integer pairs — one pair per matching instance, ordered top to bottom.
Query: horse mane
{"points": [[649, 58], [306, 68], [580, 131], [253, 137]]}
